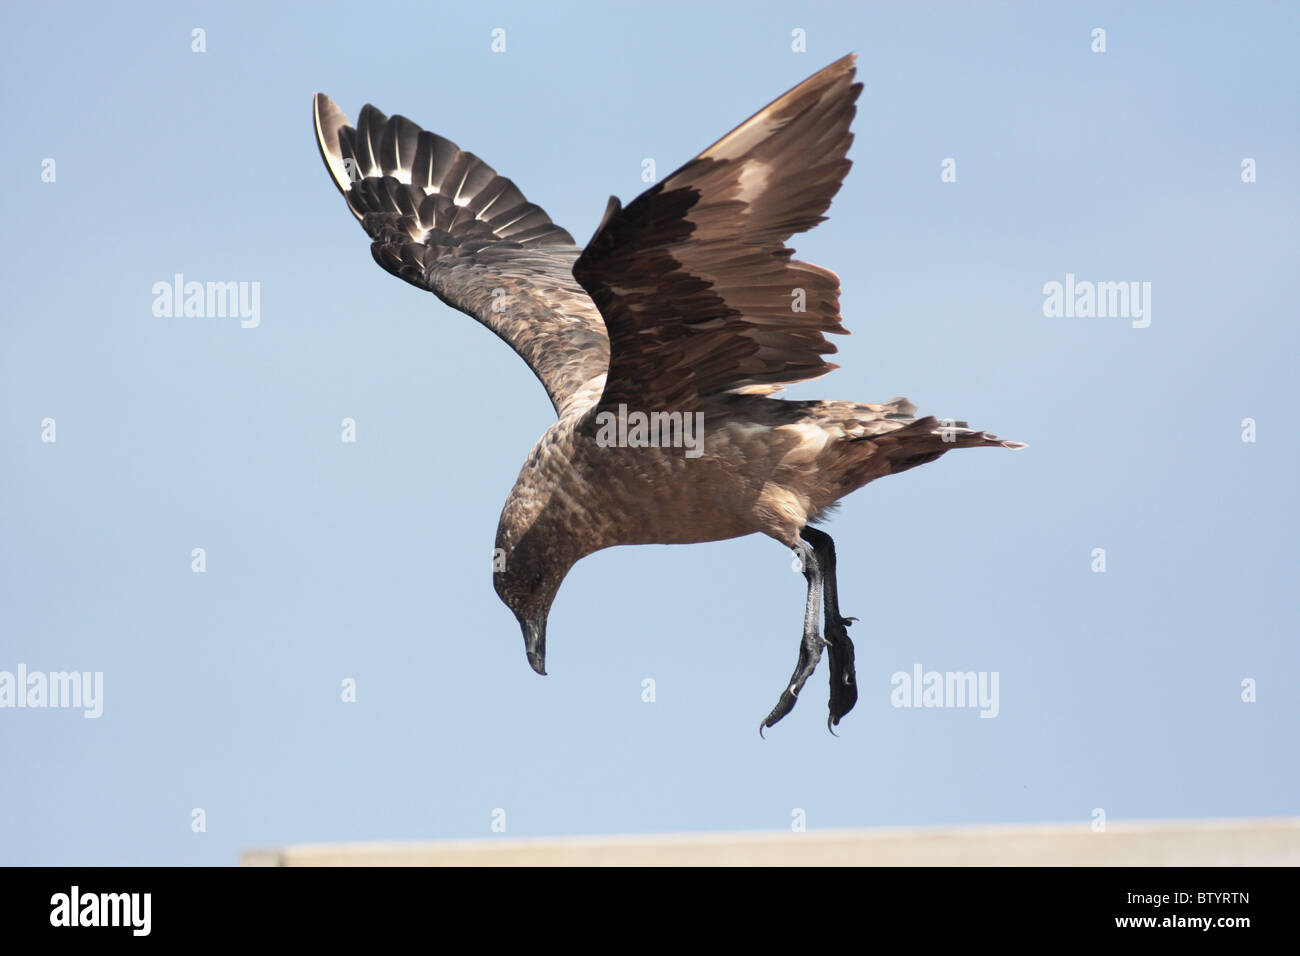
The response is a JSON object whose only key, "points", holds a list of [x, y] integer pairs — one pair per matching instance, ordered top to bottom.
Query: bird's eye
{"points": [[537, 580]]}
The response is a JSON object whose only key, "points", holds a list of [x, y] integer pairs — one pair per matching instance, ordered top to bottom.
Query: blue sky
{"points": [[370, 561]]}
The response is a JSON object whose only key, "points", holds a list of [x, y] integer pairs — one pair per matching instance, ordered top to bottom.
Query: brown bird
{"points": [[660, 345]]}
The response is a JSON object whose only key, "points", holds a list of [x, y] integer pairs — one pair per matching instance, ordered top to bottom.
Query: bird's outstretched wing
{"points": [[443, 220], [699, 293]]}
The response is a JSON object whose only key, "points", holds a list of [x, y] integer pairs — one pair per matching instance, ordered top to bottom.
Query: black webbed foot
{"points": [[810, 645], [810, 652], [843, 676], [844, 681]]}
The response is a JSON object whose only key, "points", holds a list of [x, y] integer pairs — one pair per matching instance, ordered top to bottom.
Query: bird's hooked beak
{"points": [[535, 643]]}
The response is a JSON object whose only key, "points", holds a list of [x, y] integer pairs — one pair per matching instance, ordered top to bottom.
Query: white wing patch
{"points": [[753, 180]]}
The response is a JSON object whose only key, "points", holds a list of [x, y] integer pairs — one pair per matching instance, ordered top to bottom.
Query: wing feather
{"points": [[443, 220], [698, 290]]}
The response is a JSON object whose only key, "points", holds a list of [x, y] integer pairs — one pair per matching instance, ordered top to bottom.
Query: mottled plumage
{"points": [[686, 302]]}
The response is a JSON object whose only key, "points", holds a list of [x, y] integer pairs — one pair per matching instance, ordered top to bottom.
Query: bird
{"points": [[663, 345]]}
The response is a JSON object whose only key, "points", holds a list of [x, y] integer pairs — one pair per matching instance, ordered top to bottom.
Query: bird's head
{"points": [[527, 576]]}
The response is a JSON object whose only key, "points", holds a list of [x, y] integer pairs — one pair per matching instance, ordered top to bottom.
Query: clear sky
{"points": [[329, 561]]}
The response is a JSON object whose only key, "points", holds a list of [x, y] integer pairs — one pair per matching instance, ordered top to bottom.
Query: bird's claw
{"points": [[843, 683]]}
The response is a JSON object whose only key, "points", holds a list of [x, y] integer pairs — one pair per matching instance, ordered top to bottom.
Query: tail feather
{"points": [[887, 439], [924, 439]]}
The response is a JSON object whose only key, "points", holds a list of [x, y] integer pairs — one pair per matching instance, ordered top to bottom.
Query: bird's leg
{"points": [[810, 647], [844, 682]]}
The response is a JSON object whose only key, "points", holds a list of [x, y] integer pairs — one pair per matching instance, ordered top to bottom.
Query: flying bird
{"points": [[684, 315]]}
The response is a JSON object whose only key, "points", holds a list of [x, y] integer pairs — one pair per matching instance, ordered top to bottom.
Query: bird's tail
{"points": [[897, 441]]}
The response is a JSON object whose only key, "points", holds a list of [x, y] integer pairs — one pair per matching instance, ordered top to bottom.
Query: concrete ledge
{"points": [[1189, 843]]}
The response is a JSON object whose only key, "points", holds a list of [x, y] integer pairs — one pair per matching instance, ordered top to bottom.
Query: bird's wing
{"points": [[443, 220], [699, 293]]}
